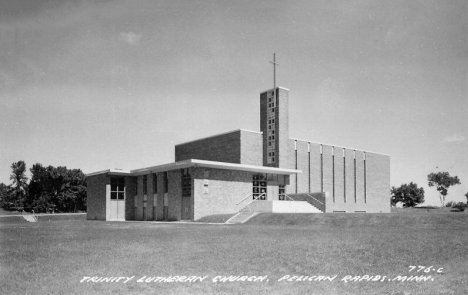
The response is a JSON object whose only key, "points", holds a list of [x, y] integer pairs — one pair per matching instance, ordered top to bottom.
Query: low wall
{"points": [[318, 200], [259, 206]]}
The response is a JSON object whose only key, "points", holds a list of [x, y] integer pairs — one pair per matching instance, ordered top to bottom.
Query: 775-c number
{"points": [[426, 269]]}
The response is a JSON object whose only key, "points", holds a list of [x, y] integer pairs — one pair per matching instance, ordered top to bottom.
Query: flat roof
{"points": [[277, 87], [198, 163], [111, 171]]}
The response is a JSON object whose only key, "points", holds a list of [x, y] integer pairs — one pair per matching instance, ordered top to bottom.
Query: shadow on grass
{"points": [[457, 210]]}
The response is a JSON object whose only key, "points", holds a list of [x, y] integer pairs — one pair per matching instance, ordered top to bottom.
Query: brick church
{"points": [[263, 171]]}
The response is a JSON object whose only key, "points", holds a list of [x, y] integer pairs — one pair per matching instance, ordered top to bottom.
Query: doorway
{"points": [[117, 199]]}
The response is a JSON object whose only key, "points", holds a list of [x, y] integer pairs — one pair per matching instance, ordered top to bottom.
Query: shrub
{"points": [[450, 204], [460, 206]]}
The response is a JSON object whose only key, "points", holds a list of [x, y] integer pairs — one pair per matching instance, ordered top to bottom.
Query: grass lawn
{"points": [[52, 257]]}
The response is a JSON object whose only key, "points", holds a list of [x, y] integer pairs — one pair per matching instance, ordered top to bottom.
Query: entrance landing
{"points": [[281, 207]]}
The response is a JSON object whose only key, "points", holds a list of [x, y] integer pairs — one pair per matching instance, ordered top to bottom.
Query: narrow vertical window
{"points": [[271, 127], [295, 150], [308, 151], [321, 168], [333, 172], [344, 175], [365, 180], [166, 182], [155, 183], [186, 183], [145, 184], [136, 188], [355, 193]]}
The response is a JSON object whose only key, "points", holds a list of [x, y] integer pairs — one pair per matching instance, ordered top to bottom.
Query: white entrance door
{"points": [[272, 191], [117, 198], [117, 209]]}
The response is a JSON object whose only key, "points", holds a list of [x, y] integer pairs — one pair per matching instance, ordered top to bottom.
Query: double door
{"points": [[117, 209]]}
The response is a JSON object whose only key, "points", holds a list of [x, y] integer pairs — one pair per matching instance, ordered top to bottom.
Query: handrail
{"points": [[289, 197], [243, 199], [254, 199], [314, 199]]}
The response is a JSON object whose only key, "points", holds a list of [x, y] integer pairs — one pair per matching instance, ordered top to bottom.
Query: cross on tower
{"points": [[274, 74]]}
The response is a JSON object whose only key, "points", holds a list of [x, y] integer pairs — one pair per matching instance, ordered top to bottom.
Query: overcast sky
{"points": [[115, 84]]}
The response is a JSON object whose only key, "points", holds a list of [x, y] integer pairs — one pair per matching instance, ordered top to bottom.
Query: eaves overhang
{"points": [[197, 163]]}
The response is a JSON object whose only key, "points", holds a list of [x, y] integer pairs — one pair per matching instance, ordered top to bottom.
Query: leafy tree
{"points": [[442, 181], [19, 184], [56, 188], [409, 194], [5, 195], [466, 195]]}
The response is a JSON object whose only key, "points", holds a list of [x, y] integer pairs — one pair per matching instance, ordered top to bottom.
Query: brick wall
{"points": [[220, 148], [251, 148], [291, 159], [302, 163], [315, 168], [327, 170], [339, 175], [349, 177], [360, 177], [378, 181], [225, 188], [348, 188], [130, 191], [175, 195], [96, 196], [151, 196], [160, 197], [139, 199], [138, 214]]}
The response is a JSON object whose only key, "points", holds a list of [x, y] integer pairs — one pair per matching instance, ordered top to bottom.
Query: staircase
{"points": [[258, 206], [294, 207], [29, 217], [241, 217]]}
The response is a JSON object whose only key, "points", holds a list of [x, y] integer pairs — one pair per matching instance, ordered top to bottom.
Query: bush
{"points": [[408, 194], [450, 204], [460, 206]]}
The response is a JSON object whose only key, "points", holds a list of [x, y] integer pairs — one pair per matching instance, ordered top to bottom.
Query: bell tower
{"points": [[274, 123]]}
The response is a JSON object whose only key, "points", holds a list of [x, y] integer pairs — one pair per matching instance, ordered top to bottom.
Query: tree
{"points": [[442, 181], [19, 184], [56, 188], [409, 194], [5, 195], [466, 195]]}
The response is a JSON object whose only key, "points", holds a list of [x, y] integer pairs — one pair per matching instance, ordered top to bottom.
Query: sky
{"points": [[99, 84]]}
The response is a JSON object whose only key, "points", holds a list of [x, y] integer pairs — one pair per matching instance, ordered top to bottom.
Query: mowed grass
{"points": [[52, 257]]}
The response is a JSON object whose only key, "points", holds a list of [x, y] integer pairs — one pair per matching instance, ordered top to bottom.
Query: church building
{"points": [[242, 170]]}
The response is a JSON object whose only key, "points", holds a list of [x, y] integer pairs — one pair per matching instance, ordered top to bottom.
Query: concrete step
{"points": [[281, 207], [294, 207], [241, 217], [30, 218]]}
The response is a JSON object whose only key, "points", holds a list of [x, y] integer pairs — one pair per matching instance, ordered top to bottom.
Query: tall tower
{"points": [[274, 123]]}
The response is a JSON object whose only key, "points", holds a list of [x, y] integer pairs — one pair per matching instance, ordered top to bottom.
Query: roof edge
{"points": [[338, 146], [212, 164]]}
